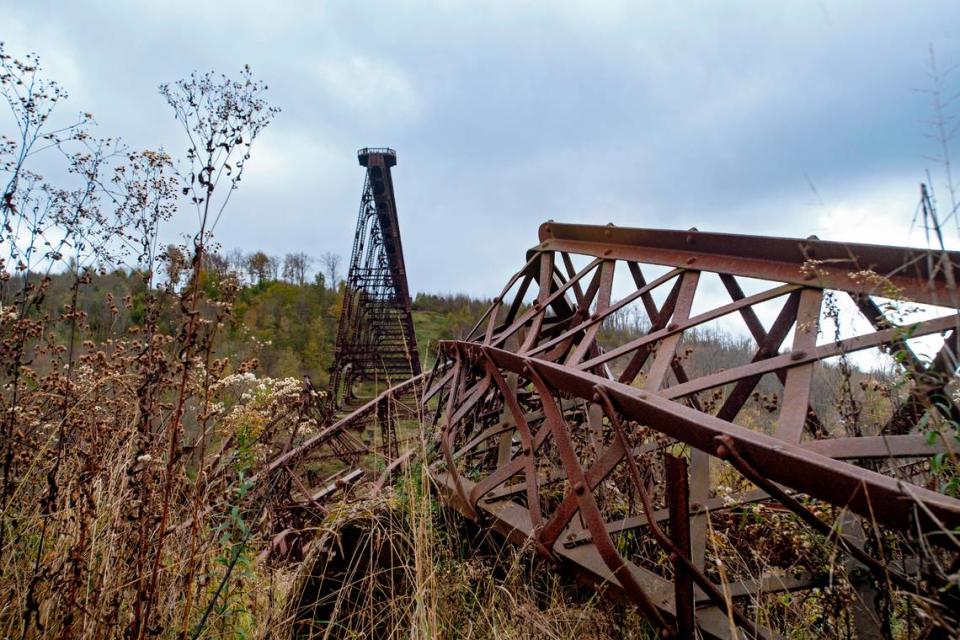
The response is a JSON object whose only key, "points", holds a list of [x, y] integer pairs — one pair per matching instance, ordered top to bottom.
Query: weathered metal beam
{"points": [[810, 261], [551, 352]]}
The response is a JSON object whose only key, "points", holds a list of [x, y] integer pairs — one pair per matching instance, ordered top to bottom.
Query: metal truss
{"points": [[375, 336], [375, 343], [626, 463], [301, 493]]}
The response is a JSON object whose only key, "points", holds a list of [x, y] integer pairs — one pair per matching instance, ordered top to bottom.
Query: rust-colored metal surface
{"points": [[375, 336], [375, 344], [381, 406], [624, 457], [302, 493]]}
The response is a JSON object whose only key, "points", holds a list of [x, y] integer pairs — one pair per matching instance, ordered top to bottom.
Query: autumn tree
{"points": [[237, 260], [216, 264], [331, 264], [258, 267], [273, 267], [295, 267]]}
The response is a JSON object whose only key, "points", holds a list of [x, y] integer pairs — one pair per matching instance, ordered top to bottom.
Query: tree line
{"points": [[259, 267]]}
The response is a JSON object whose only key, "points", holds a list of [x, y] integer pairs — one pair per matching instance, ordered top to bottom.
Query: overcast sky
{"points": [[718, 115]]}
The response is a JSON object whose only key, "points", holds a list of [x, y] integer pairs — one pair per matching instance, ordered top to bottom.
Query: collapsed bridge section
{"points": [[641, 468]]}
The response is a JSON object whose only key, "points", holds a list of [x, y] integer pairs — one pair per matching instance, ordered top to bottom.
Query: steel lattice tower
{"points": [[375, 337]]}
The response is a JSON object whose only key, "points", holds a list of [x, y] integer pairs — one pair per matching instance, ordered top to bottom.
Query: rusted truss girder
{"points": [[375, 336], [379, 406], [556, 436], [302, 487]]}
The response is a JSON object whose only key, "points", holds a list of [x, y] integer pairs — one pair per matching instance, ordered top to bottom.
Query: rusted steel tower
{"points": [[375, 337]]}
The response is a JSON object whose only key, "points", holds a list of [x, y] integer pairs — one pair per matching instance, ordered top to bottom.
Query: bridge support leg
{"points": [[678, 503]]}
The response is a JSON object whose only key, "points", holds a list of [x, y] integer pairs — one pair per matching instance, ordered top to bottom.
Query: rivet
{"points": [[690, 239], [608, 252], [691, 260], [798, 355], [722, 451], [579, 488]]}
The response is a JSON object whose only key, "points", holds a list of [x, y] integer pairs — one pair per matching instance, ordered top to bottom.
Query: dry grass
{"points": [[399, 565]]}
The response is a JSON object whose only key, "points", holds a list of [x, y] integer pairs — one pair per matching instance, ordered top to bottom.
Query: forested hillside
{"points": [[287, 322]]}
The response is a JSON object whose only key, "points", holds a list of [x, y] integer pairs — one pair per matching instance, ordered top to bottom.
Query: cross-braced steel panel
{"points": [[375, 336], [629, 459]]}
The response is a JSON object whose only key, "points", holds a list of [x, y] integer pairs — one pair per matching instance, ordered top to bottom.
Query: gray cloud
{"points": [[505, 114]]}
